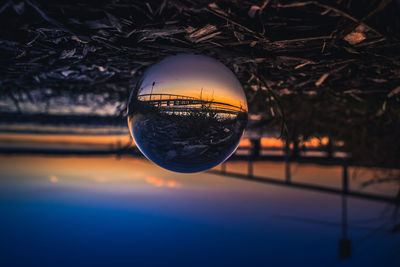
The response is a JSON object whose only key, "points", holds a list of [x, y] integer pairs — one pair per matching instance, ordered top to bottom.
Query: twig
{"points": [[237, 24]]}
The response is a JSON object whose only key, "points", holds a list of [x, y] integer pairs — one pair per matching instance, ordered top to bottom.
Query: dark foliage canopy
{"points": [[289, 47]]}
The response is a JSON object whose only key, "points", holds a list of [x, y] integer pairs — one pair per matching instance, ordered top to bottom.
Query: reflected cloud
{"points": [[53, 178], [100, 179], [159, 182]]}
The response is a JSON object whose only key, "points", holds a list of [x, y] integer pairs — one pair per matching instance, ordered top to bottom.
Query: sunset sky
{"points": [[194, 75], [130, 209]]}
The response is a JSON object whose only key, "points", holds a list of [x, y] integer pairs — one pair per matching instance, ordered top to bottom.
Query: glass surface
{"points": [[187, 113]]}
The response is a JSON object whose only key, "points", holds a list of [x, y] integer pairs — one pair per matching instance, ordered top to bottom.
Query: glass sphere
{"points": [[187, 113]]}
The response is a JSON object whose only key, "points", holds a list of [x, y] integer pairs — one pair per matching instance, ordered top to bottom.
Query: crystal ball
{"points": [[187, 113]]}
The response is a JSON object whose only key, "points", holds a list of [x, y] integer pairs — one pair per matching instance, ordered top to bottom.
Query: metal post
{"points": [[152, 86], [287, 163], [250, 168], [287, 171], [345, 181], [344, 216], [344, 242]]}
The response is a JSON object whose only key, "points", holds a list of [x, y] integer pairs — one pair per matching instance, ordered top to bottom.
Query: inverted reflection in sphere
{"points": [[187, 113]]}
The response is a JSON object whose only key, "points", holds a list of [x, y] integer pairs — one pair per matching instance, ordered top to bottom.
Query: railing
{"points": [[161, 96], [167, 100], [287, 182]]}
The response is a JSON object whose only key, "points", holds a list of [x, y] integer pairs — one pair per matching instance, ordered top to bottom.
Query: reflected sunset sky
{"points": [[118, 140], [128, 173], [112, 211]]}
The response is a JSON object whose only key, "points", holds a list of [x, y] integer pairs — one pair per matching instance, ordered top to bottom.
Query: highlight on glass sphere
{"points": [[187, 113]]}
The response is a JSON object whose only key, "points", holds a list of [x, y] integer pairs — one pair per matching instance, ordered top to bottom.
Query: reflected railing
{"points": [[344, 190], [344, 243]]}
